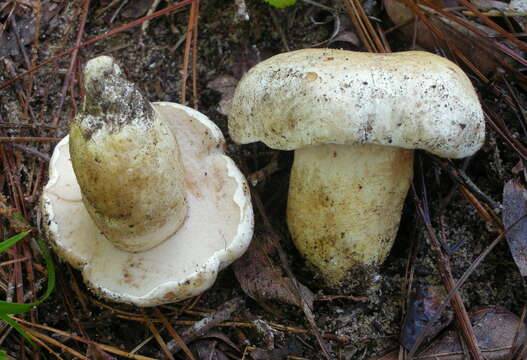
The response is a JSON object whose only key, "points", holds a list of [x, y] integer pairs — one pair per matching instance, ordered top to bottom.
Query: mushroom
{"points": [[353, 119], [141, 197]]}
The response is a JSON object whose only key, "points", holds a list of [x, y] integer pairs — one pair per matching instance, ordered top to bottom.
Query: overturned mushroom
{"points": [[352, 119], [148, 208]]}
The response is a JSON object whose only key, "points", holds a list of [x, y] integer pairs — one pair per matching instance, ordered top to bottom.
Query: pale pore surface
{"points": [[320, 96], [345, 204], [217, 230]]}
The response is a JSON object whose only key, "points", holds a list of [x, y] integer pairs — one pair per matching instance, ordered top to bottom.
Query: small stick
{"points": [[494, 26], [191, 28], [96, 39], [73, 60], [195, 60], [9, 139], [31, 151], [462, 178], [445, 272], [296, 289], [201, 327], [174, 333], [158, 338], [106, 348]]}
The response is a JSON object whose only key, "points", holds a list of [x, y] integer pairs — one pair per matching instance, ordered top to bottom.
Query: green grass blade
{"points": [[280, 4], [20, 218], [6, 244], [50, 268], [16, 308], [17, 327]]}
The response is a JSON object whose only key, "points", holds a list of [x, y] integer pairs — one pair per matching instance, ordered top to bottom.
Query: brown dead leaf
{"points": [[136, 9], [22, 26], [24, 30], [485, 57], [225, 85], [514, 208], [261, 280], [422, 308], [495, 329], [218, 335], [293, 347], [207, 350], [95, 353]]}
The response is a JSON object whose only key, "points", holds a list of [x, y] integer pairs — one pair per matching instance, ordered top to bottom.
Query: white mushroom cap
{"points": [[413, 100], [216, 230]]}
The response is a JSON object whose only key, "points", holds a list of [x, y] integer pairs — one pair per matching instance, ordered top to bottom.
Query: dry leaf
{"points": [[136, 9], [25, 28], [485, 57], [225, 85], [514, 208], [261, 280], [423, 306], [495, 329], [292, 347], [95, 353]]}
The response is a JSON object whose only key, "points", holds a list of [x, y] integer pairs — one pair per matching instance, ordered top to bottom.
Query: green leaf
{"points": [[281, 3], [20, 218], [6, 244], [7, 308], [16, 308], [17, 327], [3, 355]]}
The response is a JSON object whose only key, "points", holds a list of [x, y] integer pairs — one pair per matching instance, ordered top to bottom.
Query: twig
{"points": [[152, 8], [494, 26], [122, 28], [191, 28], [279, 28], [506, 50], [73, 60], [195, 96], [491, 119], [30, 126], [9, 139], [31, 151], [462, 178], [283, 259], [445, 272], [461, 282], [454, 290], [201, 327], [519, 327], [174, 333], [159, 339], [52, 341], [107, 348]]}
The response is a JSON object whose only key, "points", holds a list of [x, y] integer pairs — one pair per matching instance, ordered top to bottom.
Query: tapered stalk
{"points": [[127, 162]]}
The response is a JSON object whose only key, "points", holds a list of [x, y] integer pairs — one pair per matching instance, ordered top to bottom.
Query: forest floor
{"points": [[462, 198]]}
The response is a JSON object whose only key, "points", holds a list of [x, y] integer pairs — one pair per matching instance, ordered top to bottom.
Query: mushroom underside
{"points": [[345, 204], [217, 229]]}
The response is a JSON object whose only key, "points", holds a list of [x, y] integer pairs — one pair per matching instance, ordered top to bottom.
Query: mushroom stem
{"points": [[126, 161], [345, 204]]}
